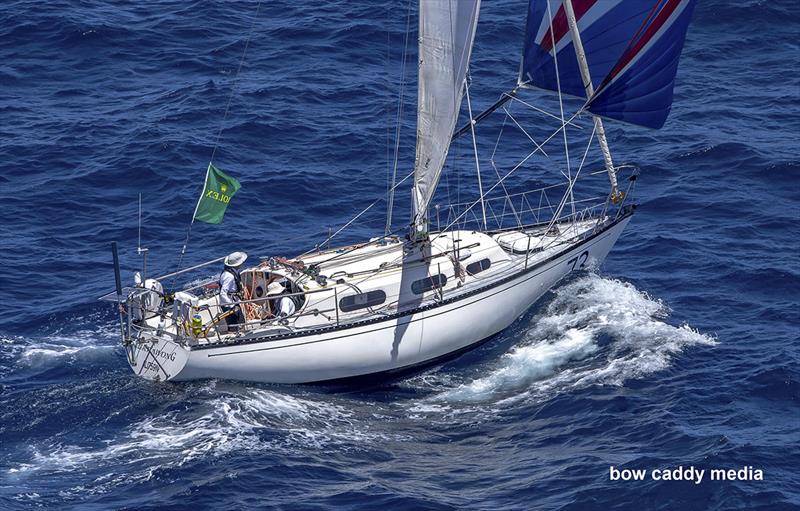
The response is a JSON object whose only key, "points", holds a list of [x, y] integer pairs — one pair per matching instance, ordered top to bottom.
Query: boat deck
{"points": [[453, 264]]}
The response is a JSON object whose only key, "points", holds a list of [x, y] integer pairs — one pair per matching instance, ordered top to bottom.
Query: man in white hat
{"points": [[230, 289], [284, 305]]}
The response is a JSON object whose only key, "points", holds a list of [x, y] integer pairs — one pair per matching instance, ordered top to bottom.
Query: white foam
{"points": [[583, 313], [60, 348], [49, 354], [527, 364], [421, 410], [250, 420]]}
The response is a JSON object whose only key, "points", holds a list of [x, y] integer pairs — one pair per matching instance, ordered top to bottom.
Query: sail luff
{"points": [[446, 36]]}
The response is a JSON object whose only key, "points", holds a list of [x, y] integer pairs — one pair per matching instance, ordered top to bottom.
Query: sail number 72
{"points": [[578, 261]]}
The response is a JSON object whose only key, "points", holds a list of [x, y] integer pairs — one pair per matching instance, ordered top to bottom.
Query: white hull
{"points": [[379, 345]]}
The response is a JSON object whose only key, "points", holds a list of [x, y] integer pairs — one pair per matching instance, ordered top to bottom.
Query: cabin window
{"points": [[478, 266], [428, 283], [362, 300]]}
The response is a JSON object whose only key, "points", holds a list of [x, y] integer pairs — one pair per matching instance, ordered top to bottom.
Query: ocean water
{"points": [[681, 350]]}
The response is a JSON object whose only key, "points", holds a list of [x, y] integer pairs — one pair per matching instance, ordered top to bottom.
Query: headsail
{"points": [[446, 34], [632, 48]]}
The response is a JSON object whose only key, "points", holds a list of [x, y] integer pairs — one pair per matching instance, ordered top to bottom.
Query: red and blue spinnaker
{"points": [[632, 49]]}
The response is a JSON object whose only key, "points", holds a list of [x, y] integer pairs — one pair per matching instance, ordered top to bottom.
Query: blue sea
{"points": [[681, 350]]}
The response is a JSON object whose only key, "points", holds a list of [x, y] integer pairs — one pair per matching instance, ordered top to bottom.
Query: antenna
{"points": [[139, 240], [139, 249]]}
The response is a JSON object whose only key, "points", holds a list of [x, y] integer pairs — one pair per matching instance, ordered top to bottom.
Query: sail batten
{"points": [[446, 35]]}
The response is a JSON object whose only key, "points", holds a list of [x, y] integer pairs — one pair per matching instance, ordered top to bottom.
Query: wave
{"points": [[595, 331], [24, 354], [217, 422]]}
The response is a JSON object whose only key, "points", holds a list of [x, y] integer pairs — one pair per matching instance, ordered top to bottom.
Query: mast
{"points": [[615, 196]]}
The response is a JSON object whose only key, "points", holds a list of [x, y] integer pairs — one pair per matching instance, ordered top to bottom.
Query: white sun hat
{"points": [[235, 259], [275, 288]]}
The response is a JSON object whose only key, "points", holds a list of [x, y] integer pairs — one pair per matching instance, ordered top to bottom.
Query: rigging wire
{"points": [[235, 82], [560, 104], [387, 106], [399, 120], [219, 132], [475, 150], [514, 169], [497, 172], [571, 185], [345, 226]]}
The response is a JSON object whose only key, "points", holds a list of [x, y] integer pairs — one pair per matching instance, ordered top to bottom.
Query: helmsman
{"points": [[230, 290]]}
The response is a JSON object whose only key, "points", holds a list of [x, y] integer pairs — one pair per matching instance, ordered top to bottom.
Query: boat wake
{"points": [[595, 331], [24, 355], [215, 421]]}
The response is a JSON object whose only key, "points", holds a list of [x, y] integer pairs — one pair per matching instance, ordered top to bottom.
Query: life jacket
{"points": [[237, 279]]}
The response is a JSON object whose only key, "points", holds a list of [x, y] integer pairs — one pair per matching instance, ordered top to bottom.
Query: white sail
{"points": [[446, 34]]}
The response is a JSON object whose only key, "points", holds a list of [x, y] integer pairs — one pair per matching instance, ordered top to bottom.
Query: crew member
{"points": [[230, 290], [284, 305]]}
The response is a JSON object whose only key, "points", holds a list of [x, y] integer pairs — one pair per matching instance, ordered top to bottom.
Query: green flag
{"points": [[217, 193]]}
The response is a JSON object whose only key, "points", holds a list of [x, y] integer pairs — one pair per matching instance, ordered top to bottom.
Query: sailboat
{"points": [[402, 301]]}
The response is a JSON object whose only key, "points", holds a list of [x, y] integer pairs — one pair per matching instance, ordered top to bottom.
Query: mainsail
{"points": [[446, 34], [632, 48]]}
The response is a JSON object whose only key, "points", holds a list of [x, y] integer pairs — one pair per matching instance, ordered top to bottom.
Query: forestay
{"points": [[446, 34], [632, 48]]}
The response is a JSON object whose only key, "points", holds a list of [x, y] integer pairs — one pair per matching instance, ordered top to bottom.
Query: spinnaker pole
{"points": [[504, 98], [616, 195]]}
